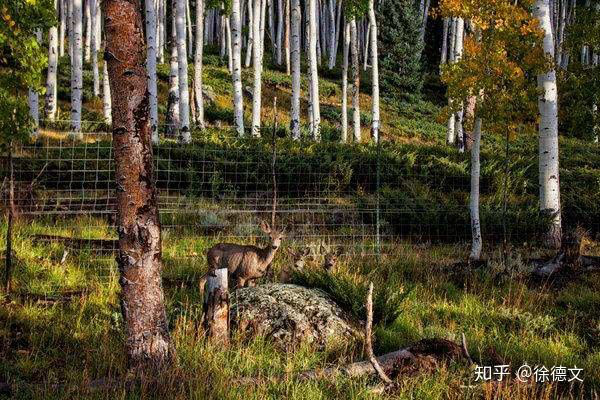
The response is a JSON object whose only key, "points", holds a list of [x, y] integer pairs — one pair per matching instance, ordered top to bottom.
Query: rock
{"points": [[208, 94], [289, 315]]}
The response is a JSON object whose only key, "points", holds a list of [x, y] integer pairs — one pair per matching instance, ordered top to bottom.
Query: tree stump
{"points": [[216, 307]]}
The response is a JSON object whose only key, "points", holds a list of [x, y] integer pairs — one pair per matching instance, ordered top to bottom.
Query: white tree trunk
{"points": [[269, 4], [424, 21], [188, 26], [61, 27], [70, 27], [88, 29], [160, 31], [332, 35], [228, 37], [287, 37], [279, 46], [366, 47], [249, 48], [94, 49], [444, 55], [457, 55], [198, 56], [151, 67], [257, 67], [295, 67], [76, 70], [374, 72], [314, 73], [51, 79], [355, 81], [345, 83], [184, 95], [238, 96], [106, 100], [34, 101], [173, 101], [451, 133], [548, 133], [474, 197]]}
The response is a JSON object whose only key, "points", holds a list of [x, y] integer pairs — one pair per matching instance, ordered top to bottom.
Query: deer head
{"points": [[273, 234], [330, 257], [299, 258]]}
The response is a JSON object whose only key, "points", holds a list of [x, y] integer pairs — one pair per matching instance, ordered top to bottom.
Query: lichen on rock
{"points": [[290, 314]]}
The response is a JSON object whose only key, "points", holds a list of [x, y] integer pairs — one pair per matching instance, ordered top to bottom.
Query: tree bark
{"points": [[61, 27], [88, 29], [332, 35], [286, 39], [94, 46], [279, 46], [249, 47], [444, 50], [198, 56], [295, 66], [151, 67], [257, 68], [76, 71], [374, 72], [314, 73], [51, 79], [355, 81], [345, 83], [184, 94], [238, 96], [106, 100], [34, 101], [458, 115], [172, 119], [548, 133], [474, 197], [148, 343]]}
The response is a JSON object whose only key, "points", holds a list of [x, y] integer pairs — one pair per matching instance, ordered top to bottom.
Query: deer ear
{"points": [[265, 227], [306, 251]]}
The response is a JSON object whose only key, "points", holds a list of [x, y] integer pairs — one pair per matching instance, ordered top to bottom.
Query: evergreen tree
{"points": [[399, 48]]}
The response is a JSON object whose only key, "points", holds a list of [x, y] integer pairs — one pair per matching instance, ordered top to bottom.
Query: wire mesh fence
{"points": [[359, 199]]}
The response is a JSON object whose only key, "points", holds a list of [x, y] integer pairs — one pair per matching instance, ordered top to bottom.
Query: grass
{"points": [[80, 339]]}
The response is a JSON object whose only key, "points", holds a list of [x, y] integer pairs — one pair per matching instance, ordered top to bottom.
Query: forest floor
{"points": [[62, 329]]}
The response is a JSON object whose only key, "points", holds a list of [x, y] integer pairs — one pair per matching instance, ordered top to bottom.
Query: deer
{"points": [[330, 257], [299, 258], [245, 263]]}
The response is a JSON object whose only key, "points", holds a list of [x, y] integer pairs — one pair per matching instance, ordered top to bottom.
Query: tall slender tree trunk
{"points": [[424, 21], [61, 27], [70, 27], [188, 27], [88, 29], [332, 35], [286, 39], [228, 42], [94, 46], [279, 46], [249, 47], [366, 47], [444, 51], [457, 55], [198, 56], [257, 66], [151, 67], [295, 67], [77, 71], [314, 72], [374, 72], [51, 79], [355, 81], [345, 82], [184, 95], [238, 95], [106, 100], [34, 101], [172, 119], [450, 133], [548, 133], [474, 197], [148, 343]]}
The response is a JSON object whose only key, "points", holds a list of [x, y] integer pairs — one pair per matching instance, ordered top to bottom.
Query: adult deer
{"points": [[244, 263]]}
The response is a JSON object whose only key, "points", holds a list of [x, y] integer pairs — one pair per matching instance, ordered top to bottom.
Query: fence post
{"points": [[216, 307]]}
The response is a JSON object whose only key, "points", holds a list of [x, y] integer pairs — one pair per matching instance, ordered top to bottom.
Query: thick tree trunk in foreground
{"points": [[295, 67], [374, 71], [238, 96], [548, 133], [474, 198], [148, 343]]}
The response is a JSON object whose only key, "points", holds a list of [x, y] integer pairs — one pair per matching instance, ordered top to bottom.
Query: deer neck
{"points": [[268, 253]]}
